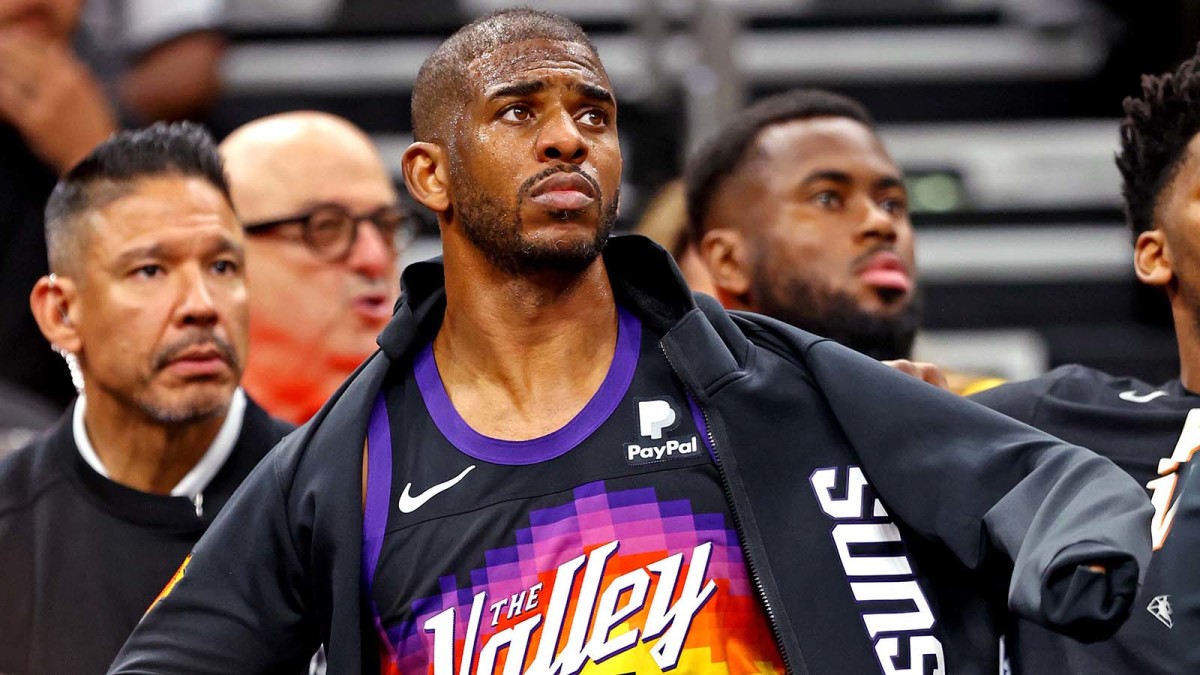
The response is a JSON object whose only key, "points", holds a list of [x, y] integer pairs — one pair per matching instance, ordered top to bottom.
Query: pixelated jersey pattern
{"points": [[610, 582]]}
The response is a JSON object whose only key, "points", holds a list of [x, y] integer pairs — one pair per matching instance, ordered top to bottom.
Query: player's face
{"points": [[41, 19], [536, 165], [833, 210], [1178, 216], [827, 233], [162, 300]]}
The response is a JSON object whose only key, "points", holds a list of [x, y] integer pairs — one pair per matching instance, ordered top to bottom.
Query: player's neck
{"points": [[1187, 335], [521, 355], [139, 452]]}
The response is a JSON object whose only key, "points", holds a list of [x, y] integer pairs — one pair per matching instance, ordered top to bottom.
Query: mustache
{"points": [[561, 168], [206, 338]]}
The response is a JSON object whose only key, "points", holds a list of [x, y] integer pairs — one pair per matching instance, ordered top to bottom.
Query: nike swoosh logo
{"points": [[1133, 397], [408, 503]]}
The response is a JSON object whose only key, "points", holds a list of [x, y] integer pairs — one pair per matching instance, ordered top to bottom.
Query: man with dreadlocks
{"points": [[1149, 430]]}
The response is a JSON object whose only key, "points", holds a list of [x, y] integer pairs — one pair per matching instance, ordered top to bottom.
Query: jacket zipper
{"points": [[737, 522]]}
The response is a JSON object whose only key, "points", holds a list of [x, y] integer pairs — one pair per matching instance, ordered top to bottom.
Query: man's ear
{"points": [[427, 175], [724, 253], [1152, 258], [54, 302]]}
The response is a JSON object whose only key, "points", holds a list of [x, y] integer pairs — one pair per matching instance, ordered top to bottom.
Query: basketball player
{"points": [[800, 214], [1150, 430], [570, 465]]}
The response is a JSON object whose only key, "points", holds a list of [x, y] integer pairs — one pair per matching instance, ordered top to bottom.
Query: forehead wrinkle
{"points": [[493, 66]]}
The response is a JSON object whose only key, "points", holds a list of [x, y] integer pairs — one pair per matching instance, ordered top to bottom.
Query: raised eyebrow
{"points": [[516, 89], [596, 93]]}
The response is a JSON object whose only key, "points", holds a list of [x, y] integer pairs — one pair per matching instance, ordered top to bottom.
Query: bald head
{"points": [[284, 164], [308, 309]]}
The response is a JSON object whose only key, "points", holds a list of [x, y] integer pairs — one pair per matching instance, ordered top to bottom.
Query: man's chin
{"points": [[562, 254], [886, 303], [199, 403]]}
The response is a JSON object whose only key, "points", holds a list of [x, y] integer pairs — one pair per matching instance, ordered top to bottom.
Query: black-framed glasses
{"points": [[330, 230]]}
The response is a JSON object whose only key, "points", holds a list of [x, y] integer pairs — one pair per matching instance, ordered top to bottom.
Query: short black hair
{"points": [[442, 84], [1155, 134], [179, 149], [724, 153]]}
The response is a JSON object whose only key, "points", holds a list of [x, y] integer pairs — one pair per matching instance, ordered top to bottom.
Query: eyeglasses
{"points": [[330, 230]]}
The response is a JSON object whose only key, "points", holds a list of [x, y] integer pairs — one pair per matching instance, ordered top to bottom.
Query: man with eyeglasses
{"points": [[324, 232]]}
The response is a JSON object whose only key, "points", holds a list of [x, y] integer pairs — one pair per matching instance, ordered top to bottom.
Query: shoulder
{"points": [[737, 328], [1020, 399], [259, 428], [325, 453], [30, 473]]}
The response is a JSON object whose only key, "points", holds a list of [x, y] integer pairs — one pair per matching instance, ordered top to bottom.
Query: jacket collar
{"points": [[644, 278]]}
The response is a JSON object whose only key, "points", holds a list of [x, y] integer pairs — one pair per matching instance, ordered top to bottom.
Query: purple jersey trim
{"points": [[701, 425], [497, 451], [379, 486]]}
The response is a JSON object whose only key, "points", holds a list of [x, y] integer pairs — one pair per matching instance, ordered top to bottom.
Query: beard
{"points": [[496, 231], [838, 316], [197, 402], [188, 412]]}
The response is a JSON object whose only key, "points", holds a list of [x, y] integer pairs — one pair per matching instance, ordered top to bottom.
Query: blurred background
{"points": [[1003, 113]]}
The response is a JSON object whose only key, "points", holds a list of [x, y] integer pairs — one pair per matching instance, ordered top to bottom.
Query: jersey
{"points": [[1151, 433], [605, 546]]}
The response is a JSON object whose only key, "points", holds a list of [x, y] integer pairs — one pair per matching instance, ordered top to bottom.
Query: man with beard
{"points": [[70, 72], [801, 215], [324, 231], [148, 299], [562, 460]]}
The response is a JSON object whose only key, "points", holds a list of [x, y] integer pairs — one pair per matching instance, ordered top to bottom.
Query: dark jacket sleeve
{"points": [[1018, 400], [984, 484], [1179, 560], [239, 604]]}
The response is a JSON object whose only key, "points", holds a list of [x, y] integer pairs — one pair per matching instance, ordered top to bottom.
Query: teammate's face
{"points": [[40, 19], [536, 164], [823, 214], [1177, 217], [161, 315]]}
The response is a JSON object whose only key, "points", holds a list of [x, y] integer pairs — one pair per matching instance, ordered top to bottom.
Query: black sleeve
{"points": [[1018, 400], [984, 484], [1179, 560], [16, 587], [239, 603]]}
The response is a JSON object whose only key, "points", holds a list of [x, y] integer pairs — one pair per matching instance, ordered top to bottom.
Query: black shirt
{"points": [[1150, 432], [606, 544], [83, 557]]}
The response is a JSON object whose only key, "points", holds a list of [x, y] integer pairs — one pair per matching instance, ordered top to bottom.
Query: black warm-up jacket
{"points": [[984, 503]]}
